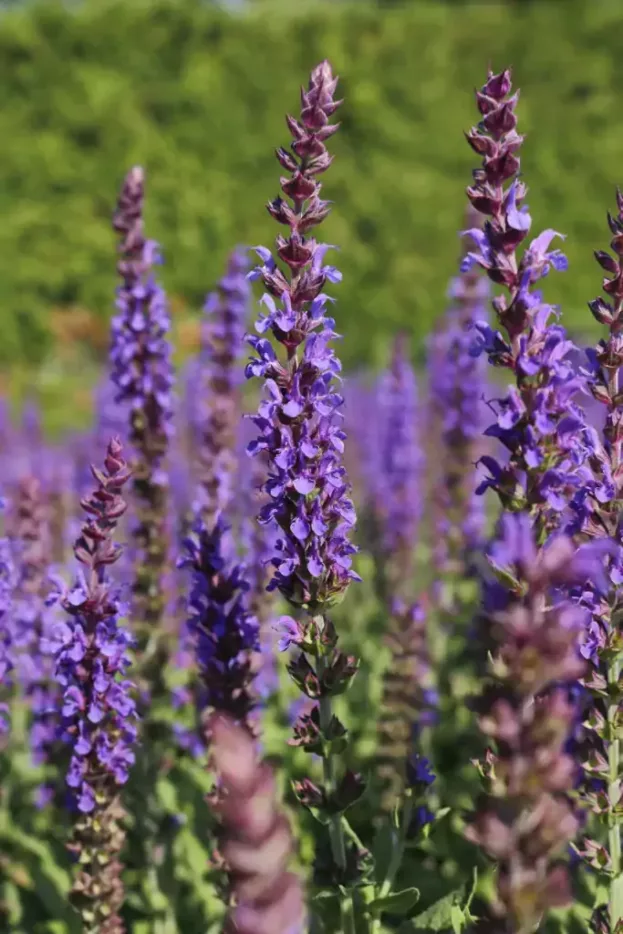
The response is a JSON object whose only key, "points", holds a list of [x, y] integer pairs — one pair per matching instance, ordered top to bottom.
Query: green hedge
{"points": [[198, 97]]}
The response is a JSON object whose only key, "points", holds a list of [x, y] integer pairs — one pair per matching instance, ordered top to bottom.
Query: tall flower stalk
{"points": [[223, 334], [143, 374], [458, 390], [537, 421], [299, 425], [400, 467], [31, 531], [8, 578], [223, 634], [604, 645], [407, 680], [409, 697], [98, 708], [526, 819], [256, 841]]}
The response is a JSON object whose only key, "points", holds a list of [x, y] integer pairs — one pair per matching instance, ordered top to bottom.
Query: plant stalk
{"points": [[336, 830], [399, 840], [615, 901]]}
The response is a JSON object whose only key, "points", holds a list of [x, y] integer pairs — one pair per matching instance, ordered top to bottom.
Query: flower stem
{"points": [[336, 830], [399, 840], [615, 905]]}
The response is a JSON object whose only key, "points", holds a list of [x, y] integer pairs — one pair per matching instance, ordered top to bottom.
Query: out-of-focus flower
{"points": [[222, 340], [222, 632], [526, 819], [256, 842]]}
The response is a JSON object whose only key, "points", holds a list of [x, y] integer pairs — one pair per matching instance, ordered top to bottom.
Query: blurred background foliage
{"points": [[196, 93]]}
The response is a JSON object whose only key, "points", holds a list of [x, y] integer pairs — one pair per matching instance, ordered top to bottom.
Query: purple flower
{"points": [[222, 342], [142, 372], [458, 388], [299, 421], [300, 433], [401, 463], [545, 470], [601, 597], [7, 624], [221, 631], [409, 698], [98, 709], [526, 819], [255, 838]]}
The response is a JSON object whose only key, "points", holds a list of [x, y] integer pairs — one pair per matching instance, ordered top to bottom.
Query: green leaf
{"points": [[49, 881], [397, 903], [438, 917], [457, 919]]}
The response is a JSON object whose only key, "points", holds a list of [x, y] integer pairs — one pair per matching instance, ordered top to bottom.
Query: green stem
{"points": [[336, 830], [399, 841], [615, 902]]}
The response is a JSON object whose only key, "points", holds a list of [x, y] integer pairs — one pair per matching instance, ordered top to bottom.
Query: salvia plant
{"points": [[263, 716]]}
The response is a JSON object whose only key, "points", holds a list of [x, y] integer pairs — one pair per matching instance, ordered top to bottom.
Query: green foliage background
{"points": [[197, 95]]}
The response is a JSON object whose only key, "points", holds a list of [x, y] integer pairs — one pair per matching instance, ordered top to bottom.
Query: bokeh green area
{"points": [[197, 95]]}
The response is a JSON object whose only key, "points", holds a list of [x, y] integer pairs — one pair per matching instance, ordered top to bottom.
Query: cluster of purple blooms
{"points": [[458, 394], [299, 421], [539, 422], [400, 463], [91, 649]]}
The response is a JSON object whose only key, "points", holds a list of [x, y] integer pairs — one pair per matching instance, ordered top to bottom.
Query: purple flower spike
{"points": [[222, 339], [142, 371], [458, 388], [300, 421], [539, 424], [300, 434], [401, 465], [30, 526], [7, 625], [221, 631], [604, 640], [409, 698], [99, 713], [526, 819], [256, 841]]}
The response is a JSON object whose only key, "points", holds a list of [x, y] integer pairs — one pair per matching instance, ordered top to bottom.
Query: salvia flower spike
{"points": [[222, 344], [142, 371], [458, 389], [538, 422], [300, 429], [401, 467], [8, 579], [33, 616], [222, 632], [604, 643], [98, 706], [526, 819], [256, 841]]}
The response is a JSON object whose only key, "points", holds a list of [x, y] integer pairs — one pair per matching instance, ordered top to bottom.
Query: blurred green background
{"points": [[197, 94]]}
